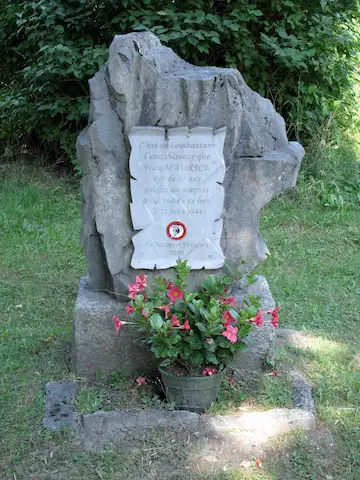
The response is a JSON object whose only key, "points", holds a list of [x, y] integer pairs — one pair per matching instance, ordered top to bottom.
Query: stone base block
{"points": [[95, 347]]}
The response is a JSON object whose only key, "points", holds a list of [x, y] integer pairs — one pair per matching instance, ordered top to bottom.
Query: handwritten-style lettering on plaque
{"points": [[177, 196]]}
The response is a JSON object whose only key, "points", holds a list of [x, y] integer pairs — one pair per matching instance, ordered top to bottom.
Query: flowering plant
{"points": [[197, 330]]}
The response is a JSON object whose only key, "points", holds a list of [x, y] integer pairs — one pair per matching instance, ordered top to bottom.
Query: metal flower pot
{"points": [[191, 393]]}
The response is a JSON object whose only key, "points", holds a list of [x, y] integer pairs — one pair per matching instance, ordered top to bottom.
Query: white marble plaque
{"points": [[177, 199]]}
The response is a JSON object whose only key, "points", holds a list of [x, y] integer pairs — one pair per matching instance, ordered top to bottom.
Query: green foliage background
{"points": [[302, 54]]}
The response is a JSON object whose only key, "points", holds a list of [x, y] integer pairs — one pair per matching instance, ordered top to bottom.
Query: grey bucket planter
{"points": [[191, 393]]}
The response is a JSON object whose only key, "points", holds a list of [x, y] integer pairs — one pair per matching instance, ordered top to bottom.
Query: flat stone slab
{"points": [[177, 196], [59, 404], [119, 430], [225, 435]]}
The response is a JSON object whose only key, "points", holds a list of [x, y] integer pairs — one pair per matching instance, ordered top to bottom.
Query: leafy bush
{"points": [[301, 54], [330, 172]]}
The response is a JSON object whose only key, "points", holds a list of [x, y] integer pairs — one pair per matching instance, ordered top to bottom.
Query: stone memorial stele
{"points": [[177, 161]]}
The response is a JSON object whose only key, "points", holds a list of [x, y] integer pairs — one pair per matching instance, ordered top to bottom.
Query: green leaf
{"points": [[192, 308], [251, 311], [204, 313], [234, 314], [156, 322], [201, 326], [244, 330], [173, 339], [195, 342], [222, 342], [240, 346], [210, 347], [160, 352], [186, 352], [224, 355], [196, 358], [212, 358]]}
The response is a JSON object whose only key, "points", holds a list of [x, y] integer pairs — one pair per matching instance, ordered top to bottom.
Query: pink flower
{"points": [[140, 281], [169, 285], [133, 290], [174, 293], [229, 301], [129, 309], [166, 309], [144, 313], [275, 316], [228, 318], [258, 319], [174, 321], [274, 322], [117, 324], [186, 325], [230, 333], [208, 371], [180, 374], [141, 381]]}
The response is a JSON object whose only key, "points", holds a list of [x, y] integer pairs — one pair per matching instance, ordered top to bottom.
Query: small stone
{"points": [[302, 396], [59, 404], [210, 458]]}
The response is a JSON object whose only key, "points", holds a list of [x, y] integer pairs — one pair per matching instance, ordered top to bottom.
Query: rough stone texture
{"points": [[147, 84], [261, 341], [95, 347], [302, 396], [59, 404], [120, 429], [231, 436]]}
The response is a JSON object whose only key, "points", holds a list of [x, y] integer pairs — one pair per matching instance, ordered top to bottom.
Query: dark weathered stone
{"points": [[147, 84], [96, 347], [302, 396], [59, 404]]}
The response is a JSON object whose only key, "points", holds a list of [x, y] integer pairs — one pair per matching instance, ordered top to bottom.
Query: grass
{"points": [[314, 274]]}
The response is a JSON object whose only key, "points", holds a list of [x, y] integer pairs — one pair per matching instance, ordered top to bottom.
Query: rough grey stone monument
{"points": [[177, 162]]}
